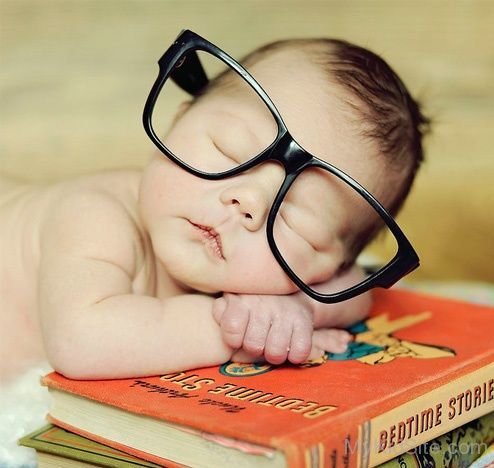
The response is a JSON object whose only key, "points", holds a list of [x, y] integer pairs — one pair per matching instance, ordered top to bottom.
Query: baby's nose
{"points": [[252, 194], [250, 204]]}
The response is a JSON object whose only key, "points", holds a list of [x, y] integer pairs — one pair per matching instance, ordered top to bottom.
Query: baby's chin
{"points": [[215, 285]]}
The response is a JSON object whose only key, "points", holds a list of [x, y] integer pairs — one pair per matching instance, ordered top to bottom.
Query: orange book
{"points": [[418, 367]]}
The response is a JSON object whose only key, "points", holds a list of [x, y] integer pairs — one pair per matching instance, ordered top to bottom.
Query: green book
{"points": [[56, 447], [486, 460]]}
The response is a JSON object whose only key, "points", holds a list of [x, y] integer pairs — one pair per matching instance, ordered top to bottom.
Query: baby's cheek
{"points": [[163, 185], [321, 267], [260, 273]]}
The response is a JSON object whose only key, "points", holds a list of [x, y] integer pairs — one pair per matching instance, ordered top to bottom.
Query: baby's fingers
{"points": [[219, 307], [233, 321], [256, 334], [330, 340], [278, 341], [300, 344]]}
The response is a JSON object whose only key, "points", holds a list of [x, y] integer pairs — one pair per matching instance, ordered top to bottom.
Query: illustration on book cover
{"points": [[373, 343]]}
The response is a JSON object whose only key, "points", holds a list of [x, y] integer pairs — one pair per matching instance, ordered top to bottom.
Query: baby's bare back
{"points": [[23, 210], [20, 342]]}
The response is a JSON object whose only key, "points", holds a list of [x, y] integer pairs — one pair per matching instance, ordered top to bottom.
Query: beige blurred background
{"points": [[74, 75]]}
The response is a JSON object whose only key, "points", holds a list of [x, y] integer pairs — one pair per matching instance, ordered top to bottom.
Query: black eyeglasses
{"points": [[300, 229]]}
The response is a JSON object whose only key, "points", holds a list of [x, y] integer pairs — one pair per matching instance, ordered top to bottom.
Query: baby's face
{"points": [[211, 235]]}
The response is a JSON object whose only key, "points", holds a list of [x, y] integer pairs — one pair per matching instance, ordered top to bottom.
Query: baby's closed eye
{"points": [[236, 141], [307, 226]]}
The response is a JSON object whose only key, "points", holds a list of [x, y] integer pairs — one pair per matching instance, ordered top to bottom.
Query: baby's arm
{"points": [[93, 325]]}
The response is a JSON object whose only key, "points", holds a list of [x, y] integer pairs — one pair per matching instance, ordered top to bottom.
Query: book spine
{"points": [[428, 416], [354, 441], [327, 446], [460, 447]]}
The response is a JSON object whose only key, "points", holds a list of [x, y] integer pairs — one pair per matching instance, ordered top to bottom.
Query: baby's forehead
{"points": [[282, 73], [291, 75], [318, 112]]}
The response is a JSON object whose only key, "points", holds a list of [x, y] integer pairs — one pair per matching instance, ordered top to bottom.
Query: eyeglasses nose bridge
{"points": [[290, 154]]}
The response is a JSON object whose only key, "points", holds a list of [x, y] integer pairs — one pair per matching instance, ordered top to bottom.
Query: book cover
{"points": [[418, 367]]}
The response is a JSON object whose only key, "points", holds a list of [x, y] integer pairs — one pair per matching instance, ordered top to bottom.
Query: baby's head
{"points": [[342, 104]]}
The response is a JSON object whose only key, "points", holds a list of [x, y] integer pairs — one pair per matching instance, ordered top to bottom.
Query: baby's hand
{"points": [[274, 327]]}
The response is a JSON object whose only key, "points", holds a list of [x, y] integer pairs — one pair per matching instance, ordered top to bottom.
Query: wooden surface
{"points": [[74, 76]]}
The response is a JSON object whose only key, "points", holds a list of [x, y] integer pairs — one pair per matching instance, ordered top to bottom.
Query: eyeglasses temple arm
{"points": [[189, 74]]}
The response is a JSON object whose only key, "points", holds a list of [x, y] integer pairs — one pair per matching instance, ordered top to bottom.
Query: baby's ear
{"points": [[182, 108]]}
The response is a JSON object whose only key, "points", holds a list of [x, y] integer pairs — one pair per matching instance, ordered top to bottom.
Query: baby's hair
{"points": [[388, 115]]}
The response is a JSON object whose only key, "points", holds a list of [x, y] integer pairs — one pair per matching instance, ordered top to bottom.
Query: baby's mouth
{"points": [[211, 238]]}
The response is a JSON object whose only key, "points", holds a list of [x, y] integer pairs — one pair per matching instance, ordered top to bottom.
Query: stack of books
{"points": [[415, 388]]}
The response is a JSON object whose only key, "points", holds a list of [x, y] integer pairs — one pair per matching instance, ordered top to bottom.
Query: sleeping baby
{"points": [[240, 237]]}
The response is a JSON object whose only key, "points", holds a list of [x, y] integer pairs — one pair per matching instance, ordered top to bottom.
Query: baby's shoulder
{"points": [[116, 188], [107, 197], [96, 214]]}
